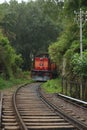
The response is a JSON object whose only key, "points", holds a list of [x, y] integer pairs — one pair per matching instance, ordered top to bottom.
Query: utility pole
{"points": [[81, 19]]}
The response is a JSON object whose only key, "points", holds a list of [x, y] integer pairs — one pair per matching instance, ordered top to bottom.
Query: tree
{"points": [[31, 28], [68, 43], [9, 60], [79, 64]]}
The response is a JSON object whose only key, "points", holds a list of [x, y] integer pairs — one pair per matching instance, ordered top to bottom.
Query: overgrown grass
{"points": [[24, 78], [53, 86]]}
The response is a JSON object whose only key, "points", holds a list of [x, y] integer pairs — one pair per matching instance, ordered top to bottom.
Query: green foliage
{"points": [[83, 3], [71, 5], [3, 10], [32, 26], [67, 45], [59, 49], [66, 51], [9, 60], [76, 63], [80, 64], [6, 84], [52, 86]]}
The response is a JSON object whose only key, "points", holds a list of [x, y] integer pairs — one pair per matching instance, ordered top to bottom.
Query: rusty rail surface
{"points": [[1, 98]]}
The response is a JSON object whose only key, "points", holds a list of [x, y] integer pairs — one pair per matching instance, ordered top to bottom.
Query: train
{"points": [[43, 68]]}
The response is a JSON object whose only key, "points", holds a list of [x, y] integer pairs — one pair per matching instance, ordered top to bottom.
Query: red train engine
{"points": [[43, 68]]}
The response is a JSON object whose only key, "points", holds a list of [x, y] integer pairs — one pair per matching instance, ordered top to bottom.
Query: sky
{"points": [[1, 1]]}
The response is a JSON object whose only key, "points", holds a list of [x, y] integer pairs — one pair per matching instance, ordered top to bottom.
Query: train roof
{"points": [[43, 55]]}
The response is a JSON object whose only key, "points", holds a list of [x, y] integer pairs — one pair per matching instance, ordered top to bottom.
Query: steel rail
{"points": [[1, 98], [73, 99], [78, 124], [23, 126]]}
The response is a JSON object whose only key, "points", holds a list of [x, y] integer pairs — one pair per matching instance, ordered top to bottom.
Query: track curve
{"points": [[35, 114]]}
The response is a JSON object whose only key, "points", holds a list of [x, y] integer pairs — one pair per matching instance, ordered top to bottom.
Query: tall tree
{"points": [[32, 27], [68, 44], [9, 60]]}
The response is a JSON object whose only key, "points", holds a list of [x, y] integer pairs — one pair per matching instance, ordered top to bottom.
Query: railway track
{"points": [[27, 109], [74, 112], [35, 113], [8, 119]]}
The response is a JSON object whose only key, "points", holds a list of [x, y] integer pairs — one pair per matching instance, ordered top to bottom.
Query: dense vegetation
{"points": [[31, 26], [39, 26], [26, 29], [66, 50], [9, 61], [14, 82], [53, 86]]}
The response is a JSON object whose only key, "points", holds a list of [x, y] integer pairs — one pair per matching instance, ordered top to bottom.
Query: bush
{"points": [[9, 60], [52, 86]]}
